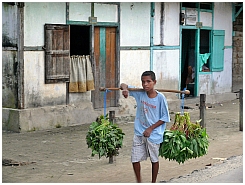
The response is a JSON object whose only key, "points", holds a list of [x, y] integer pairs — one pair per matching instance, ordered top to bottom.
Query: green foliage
{"points": [[104, 137], [184, 140]]}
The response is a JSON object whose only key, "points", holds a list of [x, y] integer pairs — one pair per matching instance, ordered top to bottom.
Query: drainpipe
{"points": [[152, 34], [20, 51], [92, 55]]}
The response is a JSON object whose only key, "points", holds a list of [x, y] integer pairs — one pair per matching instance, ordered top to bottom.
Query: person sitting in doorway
{"points": [[190, 75]]}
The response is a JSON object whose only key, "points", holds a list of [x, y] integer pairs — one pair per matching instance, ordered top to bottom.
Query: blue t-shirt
{"points": [[149, 111]]}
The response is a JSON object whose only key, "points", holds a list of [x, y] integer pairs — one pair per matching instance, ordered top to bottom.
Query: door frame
{"points": [[197, 48], [96, 95]]}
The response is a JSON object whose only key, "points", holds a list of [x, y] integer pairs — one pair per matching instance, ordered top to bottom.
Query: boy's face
{"points": [[147, 83]]}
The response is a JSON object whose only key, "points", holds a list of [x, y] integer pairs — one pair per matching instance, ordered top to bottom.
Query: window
{"points": [[189, 5], [207, 6], [80, 40], [61, 42], [57, 53], [204, 57]]}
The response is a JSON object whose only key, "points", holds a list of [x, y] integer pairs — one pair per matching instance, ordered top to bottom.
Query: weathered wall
{"points": [[79, 11], [36, 14], [223, 20], [135, 24], [171, 24], [9, 25], [237, 53], [9, 56], [166, 67], [9, 79], [222, 81], [48, 117]]}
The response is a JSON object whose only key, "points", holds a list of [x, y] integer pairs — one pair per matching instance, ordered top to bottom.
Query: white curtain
{"points": [[81, 75]]}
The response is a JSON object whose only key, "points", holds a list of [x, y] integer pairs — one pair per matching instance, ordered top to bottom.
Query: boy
{"points": [[149, 125]]}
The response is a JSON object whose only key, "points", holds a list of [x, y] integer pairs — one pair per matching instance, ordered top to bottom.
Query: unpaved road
{"points": [[61, 155]]}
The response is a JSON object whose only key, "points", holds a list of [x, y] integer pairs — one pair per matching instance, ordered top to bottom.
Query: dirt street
{"points": [[61, 155]]}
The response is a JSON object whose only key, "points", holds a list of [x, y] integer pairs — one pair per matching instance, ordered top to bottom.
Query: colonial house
{"points": [[57, 55]]}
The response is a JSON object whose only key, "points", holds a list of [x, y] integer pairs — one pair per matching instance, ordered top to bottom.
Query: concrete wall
{"points": [[135, 24], [9, 25], [237, 54], [9, 56], [9, 79], [222, 81], [48, 117]]}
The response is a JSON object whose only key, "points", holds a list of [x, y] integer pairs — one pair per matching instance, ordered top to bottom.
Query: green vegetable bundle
{"points": [[104, 137], [184, 140]]}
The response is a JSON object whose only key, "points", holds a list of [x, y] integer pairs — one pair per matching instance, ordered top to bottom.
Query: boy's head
{"points": [[149, 73], [148, 80]]}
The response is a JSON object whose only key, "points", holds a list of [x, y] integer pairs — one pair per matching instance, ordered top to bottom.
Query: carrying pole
{"points": [[140, 89]]}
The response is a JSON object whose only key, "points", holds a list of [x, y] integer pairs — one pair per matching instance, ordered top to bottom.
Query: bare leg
{"points": [[136, 167], [155, 167]]}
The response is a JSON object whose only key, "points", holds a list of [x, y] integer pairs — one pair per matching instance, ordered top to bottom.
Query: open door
{"points": [[105, 66]]}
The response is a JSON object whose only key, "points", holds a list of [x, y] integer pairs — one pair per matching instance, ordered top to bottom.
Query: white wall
{"points": [[79, 11], [105, 12], [36, 15], [206, 18], [223, 20], [135, 24], [171, 24], [132, 64], [166, 67], [222, 81], [36, 92]]}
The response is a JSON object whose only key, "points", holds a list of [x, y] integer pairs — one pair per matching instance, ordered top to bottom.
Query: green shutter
{"points": [[218, 50]]}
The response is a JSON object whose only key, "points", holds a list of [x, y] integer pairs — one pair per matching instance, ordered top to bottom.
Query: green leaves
{"points": [[104, 137], [184, 140]]}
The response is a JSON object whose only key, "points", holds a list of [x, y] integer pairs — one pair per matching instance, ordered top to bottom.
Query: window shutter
{"points": [[218, 50], [57, 53]]}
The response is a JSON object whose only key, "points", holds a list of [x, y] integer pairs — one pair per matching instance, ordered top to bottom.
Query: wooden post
{"points": [[67, 93], [202, 109], [241, 110], [112, 116], [111, 119]]}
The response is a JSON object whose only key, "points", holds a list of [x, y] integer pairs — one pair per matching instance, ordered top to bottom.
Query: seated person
{"points": [[190, 76]]}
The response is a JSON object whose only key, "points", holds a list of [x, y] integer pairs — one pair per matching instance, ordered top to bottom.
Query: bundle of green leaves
{"points": [[104, 137], [184, 140]]}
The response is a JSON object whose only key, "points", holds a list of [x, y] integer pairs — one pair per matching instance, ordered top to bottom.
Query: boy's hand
{"points": [[124, 88], [125, 93], [147, 132]]}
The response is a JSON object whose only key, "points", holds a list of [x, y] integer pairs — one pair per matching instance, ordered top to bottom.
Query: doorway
{"points": [[188, 60]]}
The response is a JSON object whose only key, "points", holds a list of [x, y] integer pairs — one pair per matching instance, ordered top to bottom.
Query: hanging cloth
{"points": [[203, 59], [81, 74], [89, 75]]}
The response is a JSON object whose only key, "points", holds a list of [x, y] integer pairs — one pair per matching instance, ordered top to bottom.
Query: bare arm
{"points": [[148, 131]]}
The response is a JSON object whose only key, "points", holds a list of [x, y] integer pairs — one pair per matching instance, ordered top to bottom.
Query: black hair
{"points": [[149, 73]]}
